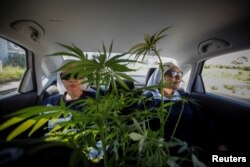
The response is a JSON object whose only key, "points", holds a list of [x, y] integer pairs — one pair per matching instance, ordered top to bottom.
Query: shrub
{"points": [[16, 59], [11, 73]]}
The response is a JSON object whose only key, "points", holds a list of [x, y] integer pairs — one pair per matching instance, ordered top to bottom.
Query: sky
{"points": [[228, 58]]}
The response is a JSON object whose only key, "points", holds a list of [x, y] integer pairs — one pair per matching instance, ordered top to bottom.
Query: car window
{"points": [[12, 66], [141, 67], [228, 75]]}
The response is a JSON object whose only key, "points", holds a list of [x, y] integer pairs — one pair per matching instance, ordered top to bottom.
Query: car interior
{"points": [[200, 34]]}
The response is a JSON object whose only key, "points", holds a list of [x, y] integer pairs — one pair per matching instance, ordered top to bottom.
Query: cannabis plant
{"points": [[114, 125]]}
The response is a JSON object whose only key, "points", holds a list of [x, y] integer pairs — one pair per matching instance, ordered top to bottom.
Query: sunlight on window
{"points": [[12, 66], [229, 75]]}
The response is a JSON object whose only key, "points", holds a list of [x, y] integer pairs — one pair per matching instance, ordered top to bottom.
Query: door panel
{"points": [[17, 102], [12, 104], [232, 119]]}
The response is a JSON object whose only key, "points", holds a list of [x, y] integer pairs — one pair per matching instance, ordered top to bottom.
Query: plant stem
{"points": [[162, 113], [177, 123], [100, 126], [105, 158]]}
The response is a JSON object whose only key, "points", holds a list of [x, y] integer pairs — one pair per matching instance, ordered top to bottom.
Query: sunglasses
{"points": [[175, 74], [65, 76]]}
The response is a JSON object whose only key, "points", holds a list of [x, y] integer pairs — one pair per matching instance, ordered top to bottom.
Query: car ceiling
{"points": [[88, 23]]}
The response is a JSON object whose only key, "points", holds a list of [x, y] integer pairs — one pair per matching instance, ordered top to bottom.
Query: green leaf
{"points": [[162, 31], [147, 38], [157, 39], [104, 48], [110, 48], [136, 48], [74, 49], [79, 52], [64, 54], [102, 58], [115, 58], [120, 62], [72, 67], [120, 68], [125, 76], [121, 82], [168, 104], [63, 105], [31, 111], [34, 112], [56, 116], [11, 122], [39, 124], [137, 125], [56, 128], [20, 129], [135, 136], [141, 144], [197, 162]]}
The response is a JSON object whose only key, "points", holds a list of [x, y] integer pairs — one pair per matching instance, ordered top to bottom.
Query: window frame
{"points": [[27, 82], [199, 83]]}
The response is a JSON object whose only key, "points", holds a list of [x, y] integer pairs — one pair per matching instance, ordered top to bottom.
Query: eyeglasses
{"points": [[174, 74], [66, 76]]}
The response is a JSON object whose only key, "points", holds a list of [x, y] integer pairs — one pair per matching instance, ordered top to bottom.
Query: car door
{"points": [[17, 82], [222, 87]]}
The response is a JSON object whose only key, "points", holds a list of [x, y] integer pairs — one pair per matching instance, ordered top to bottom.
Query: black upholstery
{"points": [[51, 90], [36, 152]]}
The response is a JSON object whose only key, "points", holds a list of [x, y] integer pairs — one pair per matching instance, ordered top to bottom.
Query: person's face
{"points": [[173, 77], [71, 83]]}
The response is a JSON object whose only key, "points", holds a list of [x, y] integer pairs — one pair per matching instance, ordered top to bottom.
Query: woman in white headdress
{"points": [[172, 79], [71, 88], [191, 120]]}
